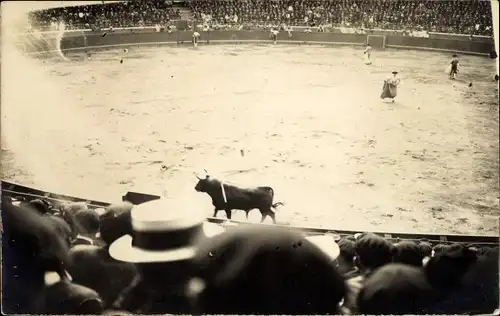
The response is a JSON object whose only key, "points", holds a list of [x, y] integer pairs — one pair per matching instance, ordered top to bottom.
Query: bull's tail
{"points": [[275, 205]]}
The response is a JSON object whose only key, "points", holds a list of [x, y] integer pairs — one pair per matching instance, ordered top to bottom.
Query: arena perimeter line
{"points": [[221, 42], [13, 189]]}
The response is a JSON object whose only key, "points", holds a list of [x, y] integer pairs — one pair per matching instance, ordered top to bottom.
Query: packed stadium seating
{"points": [[116, 14], [461, 17], [244, 269]]}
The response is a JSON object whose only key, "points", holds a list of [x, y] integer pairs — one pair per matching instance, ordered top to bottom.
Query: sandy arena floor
{"points": [[309, 120]]}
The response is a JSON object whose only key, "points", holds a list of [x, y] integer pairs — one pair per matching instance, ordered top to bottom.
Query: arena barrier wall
{"points": [[88, 39], [21, 192]]}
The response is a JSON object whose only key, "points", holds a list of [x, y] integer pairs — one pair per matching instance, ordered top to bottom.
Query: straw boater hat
{"points": [[394, 72], [163, 230]]}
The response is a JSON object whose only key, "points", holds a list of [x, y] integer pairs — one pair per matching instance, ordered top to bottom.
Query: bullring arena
{"points": [[308, 118], [305, 119], [352, 122]]}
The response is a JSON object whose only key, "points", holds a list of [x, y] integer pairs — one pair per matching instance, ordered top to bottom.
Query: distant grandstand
{"points": [[459, 17]]}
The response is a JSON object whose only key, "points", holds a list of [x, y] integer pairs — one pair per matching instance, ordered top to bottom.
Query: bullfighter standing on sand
{"points": [[274, 35], [368, 54], [452, 69], [390, 88]]}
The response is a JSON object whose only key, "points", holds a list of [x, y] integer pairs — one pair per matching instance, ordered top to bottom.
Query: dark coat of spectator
{"points": [[31, 246], [94, 268], [259, 270], [396, 289], [66, 298]]}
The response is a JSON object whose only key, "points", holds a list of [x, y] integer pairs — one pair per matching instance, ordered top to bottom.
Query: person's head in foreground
{"points": [[115, 222], [162, 245], [31, 246], [372, 252], [408, 252], [346, 256], [447, 267], [266, 270], [396, 289]]}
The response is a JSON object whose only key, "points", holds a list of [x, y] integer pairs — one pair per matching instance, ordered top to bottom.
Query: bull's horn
{"points": [[205, 171], [196, 175]]}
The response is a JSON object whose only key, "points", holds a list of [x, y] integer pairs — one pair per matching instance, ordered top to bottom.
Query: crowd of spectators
{"points": [[115, 14], [462, 17], [472, 17], [70, 259]]}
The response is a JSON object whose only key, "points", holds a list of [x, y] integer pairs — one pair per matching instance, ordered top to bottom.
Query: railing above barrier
{"points": [[343, 30], [122, 37], [20, 192]]}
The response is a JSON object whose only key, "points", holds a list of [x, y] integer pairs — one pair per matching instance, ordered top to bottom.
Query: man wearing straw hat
{"points": [[163, 242]]}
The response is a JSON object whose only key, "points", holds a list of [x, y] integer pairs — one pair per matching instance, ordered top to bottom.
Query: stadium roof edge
{"points": [[44, 5]]}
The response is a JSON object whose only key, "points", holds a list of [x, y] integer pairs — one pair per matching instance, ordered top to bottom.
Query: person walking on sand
{"points": [[196, 37], [368, 54], [453, 67], [390, 88]]}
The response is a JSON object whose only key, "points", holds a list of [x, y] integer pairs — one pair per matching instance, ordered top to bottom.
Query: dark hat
{"points": [[454, 55], [394, 72], [40, 206], [72, 208], [86, 221], [116, 222], [163, 230], [32, 234], [347, 248], [425, 248], [439, 248], [373, 250], [408, 252], [446, 268], [265, 270], [395, 289]]}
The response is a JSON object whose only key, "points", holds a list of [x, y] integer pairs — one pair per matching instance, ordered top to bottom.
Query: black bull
{"points": [[260, 198]]}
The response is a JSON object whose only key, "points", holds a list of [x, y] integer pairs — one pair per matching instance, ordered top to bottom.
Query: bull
{"points": [[229, 197]]}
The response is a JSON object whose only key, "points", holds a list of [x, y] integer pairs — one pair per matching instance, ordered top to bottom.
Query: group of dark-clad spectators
{"points": [[115, 14], [461, 17], [160, 257]]}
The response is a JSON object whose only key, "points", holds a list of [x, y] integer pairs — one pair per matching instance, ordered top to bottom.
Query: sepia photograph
{"points": [[250, 157]]}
